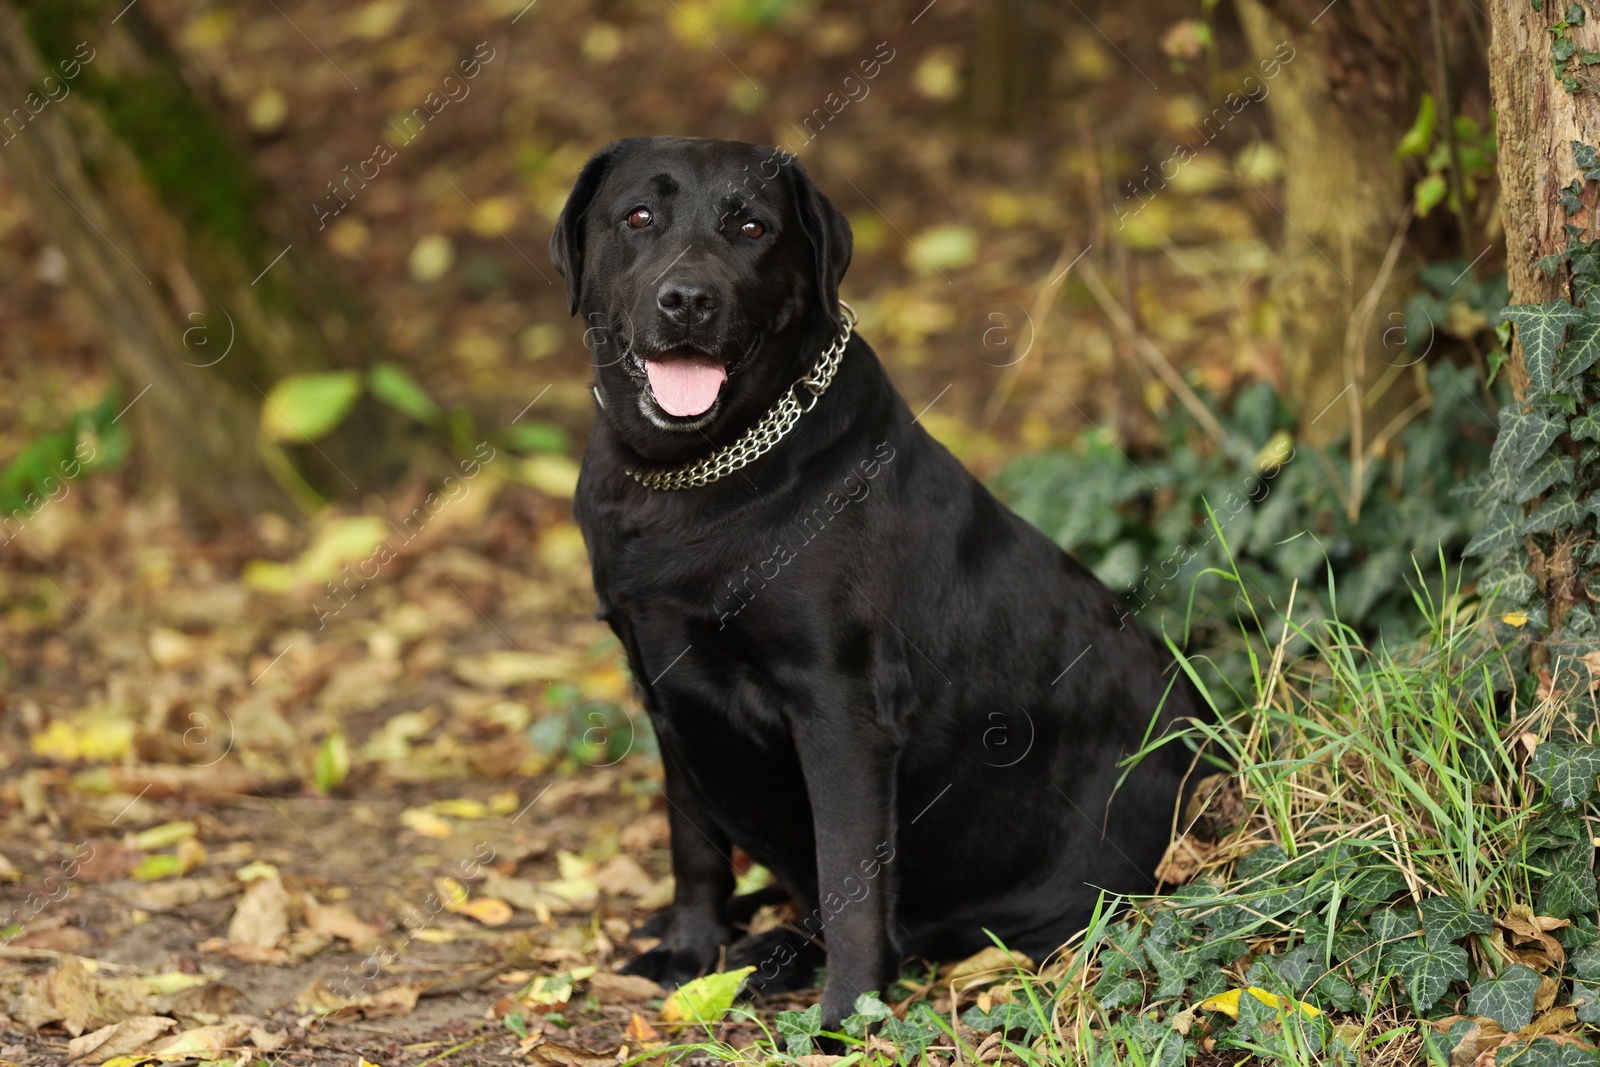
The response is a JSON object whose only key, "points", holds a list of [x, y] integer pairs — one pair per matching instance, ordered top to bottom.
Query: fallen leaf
{"points": [[505, 669], [461, 808], [426, 823], [164, 836], [1183, 860], [622, 875], [178, 892], [487, 910], [261, 918], [336, 920], [221, 946], [994, 963], [611, 988], [552, 990], [75, 998], [705, 999], [1228, 1002], [322, 1003], [641, 1032], [119, 1039], [205, 1039], [558, 1055]]}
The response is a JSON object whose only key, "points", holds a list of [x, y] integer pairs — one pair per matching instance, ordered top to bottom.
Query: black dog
{"points": [[862, 669]]}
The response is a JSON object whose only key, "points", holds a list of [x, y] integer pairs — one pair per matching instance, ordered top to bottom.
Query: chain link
{"points": [[760, 438]]}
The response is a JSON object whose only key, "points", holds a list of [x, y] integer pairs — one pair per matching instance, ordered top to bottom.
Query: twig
{"points": [[1043, 301], [1153, 356], [1355, 364]]}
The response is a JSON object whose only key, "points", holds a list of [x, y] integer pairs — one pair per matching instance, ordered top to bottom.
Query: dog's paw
{"points": [[783, 960], [670, 967]]}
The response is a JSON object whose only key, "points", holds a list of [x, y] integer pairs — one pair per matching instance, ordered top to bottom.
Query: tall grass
{"points": [[1352, 778]]}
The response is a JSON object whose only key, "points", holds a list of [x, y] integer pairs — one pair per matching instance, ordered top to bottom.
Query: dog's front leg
{"points": [[849, 767], [697, 924]]}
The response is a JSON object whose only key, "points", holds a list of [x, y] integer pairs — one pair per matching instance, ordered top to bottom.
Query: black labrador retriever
{"points": [[862, 669]]}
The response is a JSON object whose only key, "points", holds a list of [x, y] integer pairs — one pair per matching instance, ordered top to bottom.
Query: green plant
{"points": [[40, 472], [1142, 525], [1538, 543]]}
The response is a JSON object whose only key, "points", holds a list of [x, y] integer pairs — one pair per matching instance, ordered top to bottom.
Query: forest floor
{"points": [[337, 829]]}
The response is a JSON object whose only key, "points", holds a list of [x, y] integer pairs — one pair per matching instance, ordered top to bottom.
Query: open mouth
{"points": [[685, 381]]}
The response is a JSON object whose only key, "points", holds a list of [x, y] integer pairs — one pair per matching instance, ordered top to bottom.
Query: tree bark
{"points": [[1339, 108], [1538, 121], [163, 222]]}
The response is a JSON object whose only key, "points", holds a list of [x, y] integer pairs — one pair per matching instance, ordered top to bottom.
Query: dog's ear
{"points": [[829, 232], [566, 242]]}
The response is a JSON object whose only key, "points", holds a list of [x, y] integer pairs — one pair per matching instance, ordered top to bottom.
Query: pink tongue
{"points": [[685, 386]]}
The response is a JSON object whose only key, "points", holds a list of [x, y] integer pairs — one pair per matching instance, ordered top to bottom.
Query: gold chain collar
{"points": [[759, 439]]}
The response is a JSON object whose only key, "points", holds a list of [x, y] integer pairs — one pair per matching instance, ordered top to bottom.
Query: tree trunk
{"points": [[1339, 107], [1538, 121], [162, 221]]}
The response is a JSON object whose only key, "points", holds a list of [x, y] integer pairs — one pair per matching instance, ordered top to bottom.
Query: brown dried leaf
{"points": [[1184, 858], [622, 875], [261, 918], [336, 920], [611, 988], [118, 1039], [556, 1054]]}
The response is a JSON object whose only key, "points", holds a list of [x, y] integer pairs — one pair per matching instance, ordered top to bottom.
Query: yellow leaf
{"points": [[1515, 618], [95, 736], [460, 808], [424, 822], [164, 836], [572, 865], [256, 869], [452, 892], [487, 910], [170, 982], [706, 999], [1228, 1003]]}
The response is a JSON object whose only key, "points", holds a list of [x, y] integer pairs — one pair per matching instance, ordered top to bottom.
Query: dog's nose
{"points": [[687, 303]]}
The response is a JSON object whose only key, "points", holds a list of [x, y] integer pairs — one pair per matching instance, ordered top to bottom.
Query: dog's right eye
{"points": [[640, 217]]}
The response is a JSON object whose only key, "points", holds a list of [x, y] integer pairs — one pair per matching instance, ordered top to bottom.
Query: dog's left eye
{"points": [[640, 217], [752, 229]]}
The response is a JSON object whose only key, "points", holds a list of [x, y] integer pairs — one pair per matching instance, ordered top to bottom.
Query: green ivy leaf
{"points": [[1541, 327], [1581, 350], [1587, 427], [1524, 437], [1552, 470], [1560, 509], [1500, 530], [1568, 772], [1569, 889], [1445, 919], [1585, 962], [1174, 967], [1428, 970], [1507, 998], [1586, 1000], [869, 1010], [1014, 1015], [797, 1028], [913, 1034], [1544, 1052]]}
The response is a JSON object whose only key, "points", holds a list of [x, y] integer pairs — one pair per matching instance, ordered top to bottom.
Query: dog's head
{"points": [[707, 273]]}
